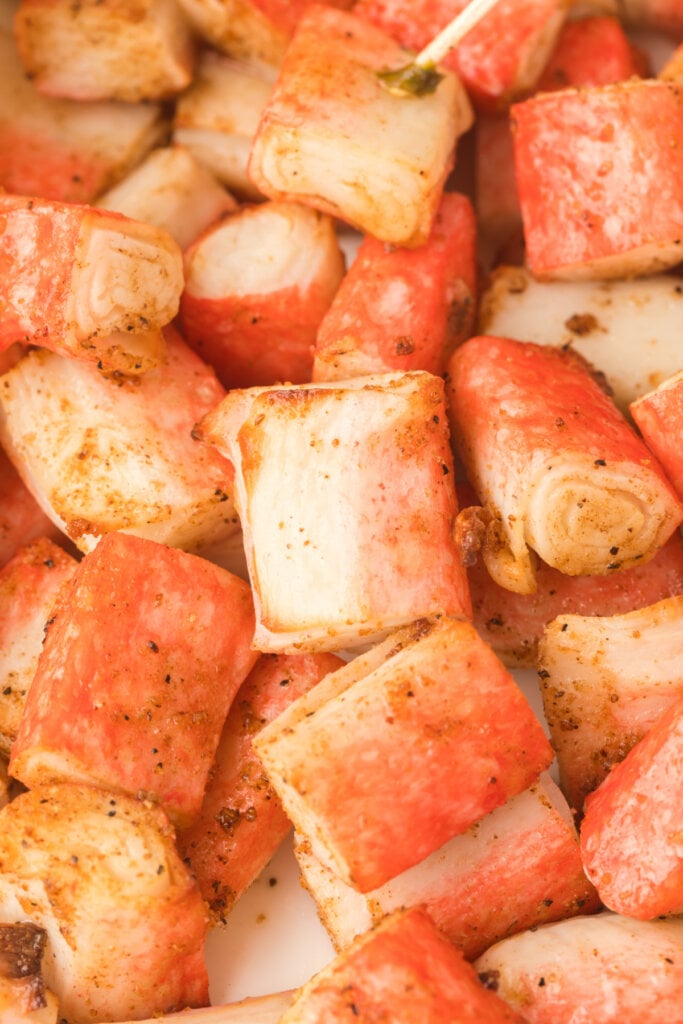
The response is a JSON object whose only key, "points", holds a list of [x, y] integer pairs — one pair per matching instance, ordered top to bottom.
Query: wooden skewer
{"points": [[421, 77]]}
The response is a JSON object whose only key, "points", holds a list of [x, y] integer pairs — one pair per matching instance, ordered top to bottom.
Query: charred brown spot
{"points": [[582, 324], [21, 952], [490, 979]]}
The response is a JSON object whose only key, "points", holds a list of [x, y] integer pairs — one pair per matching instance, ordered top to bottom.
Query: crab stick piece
{"points": [[657, 14], [251, 30], [105, 49], [591, 51], [500, 58], [217, 116], [334, 137], [65, 150], [173, 191], [496, 198], [586, 210], [86, 282], [258, 285], [403, 309], [628, 330], [659, 417], [118, 454], [576, 484], [22, 520], [356, 537], [29, 585], [513, 624], [150, 644], [605, 681], [405, 733], [241, 823], [632, 831], [518, 867], [125, 923], [605, 967], [404, 970], [23, 996], [253, 1010]]}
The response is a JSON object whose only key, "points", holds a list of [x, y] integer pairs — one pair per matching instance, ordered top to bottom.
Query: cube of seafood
{"points": [[105, 49], [592, 51], [217, 116], [334, 137], [66, 150], [172, 191], [587, 208], [86, 282], [257, 287], [659, 417], [117, 454], [559, 469], [346, 497], [21, 517], [29, 585], [149, 645], [605, 681], [405, 733], [518, 867], [100, 874], [614, 968], [403, 970]]}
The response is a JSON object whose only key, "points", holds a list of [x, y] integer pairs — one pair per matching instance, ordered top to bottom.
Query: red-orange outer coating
{"points": [[591, 51], [588, 163], [404, 309], [659, 417], [21, 517], [145, 652], [242, 823], [632, 832], [405, 970]]}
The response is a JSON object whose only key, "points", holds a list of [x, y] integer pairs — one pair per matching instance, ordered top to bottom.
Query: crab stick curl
{"points": [[332, 136], [587, 209], [86, 282], [258, 285], [403, 309], [659, 417], [559, 470], [346, 497], [150, 645], [405, 733], [632, 832], [125, 923], [603, 968], [403, 970]]}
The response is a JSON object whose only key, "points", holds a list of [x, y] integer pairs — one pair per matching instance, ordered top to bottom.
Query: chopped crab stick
{"points": [[658, 14], [251, 30], [105, 49], [591, 51], [499, 59], [673, 69], [217, 116], [333, 137], [61, 149], [173, 191], [587, 209], [499, 217], [86, 282], [257, 287], [403, 309], [628, 330], [659, 417], [118, 454], [575, 484], [346, 498], [21, 517], [29, 585], [513, 624], [149, 645], [605, 681], [405, 734], [241, 823], [632, 831], [518, 867], [125, 923], [602, 968], [404, 970], [23, 996], [254, 1010]]}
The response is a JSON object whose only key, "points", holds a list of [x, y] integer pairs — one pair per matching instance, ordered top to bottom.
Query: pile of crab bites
{"points": [[329, 408]]}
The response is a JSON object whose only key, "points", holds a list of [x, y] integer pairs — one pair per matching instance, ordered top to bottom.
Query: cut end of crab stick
{"points": [[334, 137], [659, 416], [125, 923]]}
